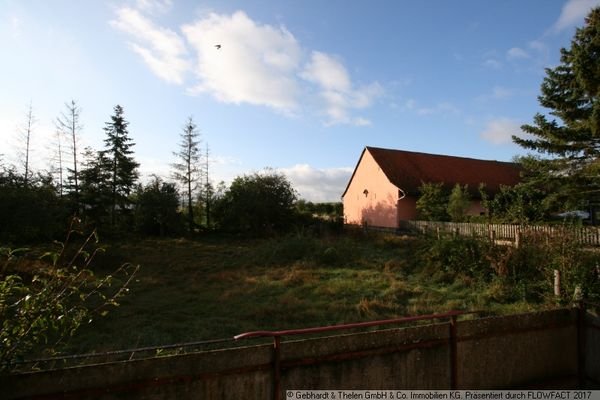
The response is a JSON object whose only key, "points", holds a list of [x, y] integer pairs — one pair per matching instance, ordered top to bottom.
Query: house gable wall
{"points": [[378, 205]]}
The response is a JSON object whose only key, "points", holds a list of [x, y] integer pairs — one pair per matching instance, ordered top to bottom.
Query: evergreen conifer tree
{"points": [[567, 141], [119, 161]]}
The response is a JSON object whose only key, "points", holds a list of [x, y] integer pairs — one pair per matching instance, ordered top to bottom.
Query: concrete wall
{"points": [[591, 342], [518, 350], [505, 352], [384, 359]]}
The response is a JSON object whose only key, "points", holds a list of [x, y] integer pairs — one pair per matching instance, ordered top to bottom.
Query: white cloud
{"points": [[154, 6], [573, 13], [16, 25], [538, 46], [161, 49], [516, 53], [492, 63], [256, 64], [327, 72], [336, 89], [500, 92], [497, 93], [440, 108], [360, 121], [500, 131], [318, 185]]}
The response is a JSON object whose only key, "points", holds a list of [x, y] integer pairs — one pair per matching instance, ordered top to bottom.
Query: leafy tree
{"points": [[119, 161], [566, 168], [187, 170], [433, 202], [261, 203], [458, 203], [520, 204], [156, 208], [29, 211]]}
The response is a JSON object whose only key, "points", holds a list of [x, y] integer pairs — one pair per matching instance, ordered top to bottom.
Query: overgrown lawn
{"points": [[217, 287]]}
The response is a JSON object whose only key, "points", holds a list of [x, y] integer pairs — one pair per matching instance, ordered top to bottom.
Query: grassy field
{"points": [[216, 287]]}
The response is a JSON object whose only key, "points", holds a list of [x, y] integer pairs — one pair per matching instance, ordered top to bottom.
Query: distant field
{"points": [[217, 287]]}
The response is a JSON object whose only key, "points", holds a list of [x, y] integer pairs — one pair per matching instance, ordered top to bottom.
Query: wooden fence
{"points": [[586, 235]]}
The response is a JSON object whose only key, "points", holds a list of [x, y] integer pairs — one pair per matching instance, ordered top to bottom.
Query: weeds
{"points": [[220, 286], [42, 307]]}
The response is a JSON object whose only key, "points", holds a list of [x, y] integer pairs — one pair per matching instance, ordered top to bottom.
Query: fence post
{"points": [[518, 238], [557, 283], [581, 312], [453, 353], [277, 368]]}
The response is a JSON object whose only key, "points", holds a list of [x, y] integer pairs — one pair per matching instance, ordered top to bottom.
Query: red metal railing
{"points": [[451, 316], [322, 329]]}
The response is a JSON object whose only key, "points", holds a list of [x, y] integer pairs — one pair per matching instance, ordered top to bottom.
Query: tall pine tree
{"points": [[567, 141], [117, 158], [187, 169]]}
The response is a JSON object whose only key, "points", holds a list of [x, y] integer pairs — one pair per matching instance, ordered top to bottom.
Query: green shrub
{"points": [[456, 255], [45, 301]]}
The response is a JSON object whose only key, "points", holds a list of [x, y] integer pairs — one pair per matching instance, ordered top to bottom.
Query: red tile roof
{"points": [[408, 170]]}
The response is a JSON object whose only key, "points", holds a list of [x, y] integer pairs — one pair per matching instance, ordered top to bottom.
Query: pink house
{"points": [[384, 186]]}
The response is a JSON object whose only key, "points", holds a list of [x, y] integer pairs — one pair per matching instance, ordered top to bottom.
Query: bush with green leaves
{"points": [[459, 202], [260, 204], [432, 204], [520, 204], [156, 210], [30, 211], [456, 255], [540, 255], [525, 272], [45, 299]]}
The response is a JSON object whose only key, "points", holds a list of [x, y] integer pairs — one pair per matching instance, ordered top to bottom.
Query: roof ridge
{"points": [[435, 155]]}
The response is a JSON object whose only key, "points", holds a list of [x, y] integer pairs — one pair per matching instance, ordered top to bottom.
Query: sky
{"points": [[298, 86]]}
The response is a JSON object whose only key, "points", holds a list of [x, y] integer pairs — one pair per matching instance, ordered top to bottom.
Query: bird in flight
{"points": [[218, 46]]}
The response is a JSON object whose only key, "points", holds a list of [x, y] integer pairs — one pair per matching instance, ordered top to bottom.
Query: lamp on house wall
{"points": [[366, 192]]}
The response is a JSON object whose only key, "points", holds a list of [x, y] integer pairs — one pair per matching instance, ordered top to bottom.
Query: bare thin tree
{"points": [[69, 124], [25, 132], [57, 161], [187, 171], [208, 189]]}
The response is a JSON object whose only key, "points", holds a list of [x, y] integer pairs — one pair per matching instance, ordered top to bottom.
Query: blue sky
{"points": [[299, 86]]}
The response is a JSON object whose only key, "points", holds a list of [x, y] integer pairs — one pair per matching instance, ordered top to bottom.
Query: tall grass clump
{"points": [[541, 254], [508, 273]]}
